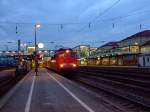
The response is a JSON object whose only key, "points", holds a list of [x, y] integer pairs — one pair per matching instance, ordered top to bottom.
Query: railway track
{"points": [[6, 67], [118, 70], [8, 81], [7, 84], [131, 86]]}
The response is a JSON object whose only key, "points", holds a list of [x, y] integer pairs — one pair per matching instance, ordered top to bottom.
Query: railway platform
{"points": [[50, 92]]}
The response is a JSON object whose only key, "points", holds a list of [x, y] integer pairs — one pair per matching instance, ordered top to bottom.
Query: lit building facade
{"points": [[139, 42], [133, 43], [106, 48], [145, 48], [93, 50], [83, 51], [125, 52]]}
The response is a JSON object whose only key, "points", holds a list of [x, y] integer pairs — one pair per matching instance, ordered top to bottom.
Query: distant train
{"points": [[121, 59], [124, 59], [63, 60], [8, 61]]}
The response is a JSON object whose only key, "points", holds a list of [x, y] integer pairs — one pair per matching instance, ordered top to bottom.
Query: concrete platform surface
{"points": [[50, 92]]}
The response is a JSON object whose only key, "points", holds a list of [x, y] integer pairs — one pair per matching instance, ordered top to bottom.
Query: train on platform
{"points": [[120, 59], [64, 60]]}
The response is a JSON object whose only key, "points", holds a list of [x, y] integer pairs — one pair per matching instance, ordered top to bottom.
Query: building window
{"points": [[148, 59]]}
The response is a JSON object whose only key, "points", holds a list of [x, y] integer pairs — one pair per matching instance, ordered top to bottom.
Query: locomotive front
{"points": [[66, 60]]}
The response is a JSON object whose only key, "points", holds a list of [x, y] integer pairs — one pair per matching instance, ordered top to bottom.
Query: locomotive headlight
{"points": [[67, 51], [61, 65], [74, 65]]}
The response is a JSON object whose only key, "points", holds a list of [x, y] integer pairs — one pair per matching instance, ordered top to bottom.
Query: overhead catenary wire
{"points": [[106, 10], [136, 12], [101, 14], [77, 23], [88, 24], [140, 26], [52, 42]]}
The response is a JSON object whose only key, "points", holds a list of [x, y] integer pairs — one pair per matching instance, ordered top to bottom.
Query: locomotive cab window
{"points": [[73, 55]]}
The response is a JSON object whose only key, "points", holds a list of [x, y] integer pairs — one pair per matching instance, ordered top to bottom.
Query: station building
{"points": [[134, 42], [137, 43], [108, 47], [145, 48], [93, 50], [83, 51], [125, 52], [144, 57]]}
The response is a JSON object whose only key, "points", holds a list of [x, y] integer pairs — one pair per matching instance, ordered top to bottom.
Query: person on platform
{"points": [[36, 68]]}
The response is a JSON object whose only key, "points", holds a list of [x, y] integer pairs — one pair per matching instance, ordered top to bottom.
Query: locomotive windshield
{"points": [[73, 55]]}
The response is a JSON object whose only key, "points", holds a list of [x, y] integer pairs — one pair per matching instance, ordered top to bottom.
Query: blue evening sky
{"points": [[111, 20]]}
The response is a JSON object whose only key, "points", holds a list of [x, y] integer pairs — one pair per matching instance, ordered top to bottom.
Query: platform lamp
{"points": [[36, 26]]}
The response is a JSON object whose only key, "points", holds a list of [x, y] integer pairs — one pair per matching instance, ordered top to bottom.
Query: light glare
{"points": [[40, 45]]}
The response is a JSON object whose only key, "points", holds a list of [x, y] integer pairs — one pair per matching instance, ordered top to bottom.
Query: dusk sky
{"points": [[66, 22]]}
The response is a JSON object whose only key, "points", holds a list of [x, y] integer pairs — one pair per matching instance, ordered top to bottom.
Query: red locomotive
{"points": [[64, 60]]}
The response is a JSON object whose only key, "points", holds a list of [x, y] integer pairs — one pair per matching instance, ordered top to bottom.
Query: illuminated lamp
{"points": [[37, 25], [136, 43], [41, 45], [67, 51], [61, 65], [74, 65]]}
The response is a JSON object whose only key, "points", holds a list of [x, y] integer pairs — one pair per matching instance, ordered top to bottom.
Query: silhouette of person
{"points": [[36, 67]]}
